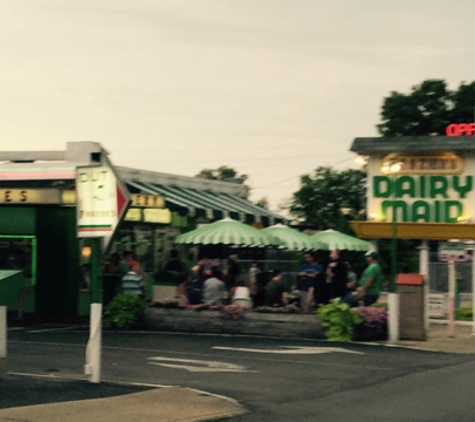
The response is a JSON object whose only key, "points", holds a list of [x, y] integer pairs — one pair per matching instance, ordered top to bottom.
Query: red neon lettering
{"points": [[458, 129]]}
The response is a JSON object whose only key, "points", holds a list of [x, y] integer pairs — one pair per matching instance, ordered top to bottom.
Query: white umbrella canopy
{"points": [[227, 232], [292, 239], [332, 239]]}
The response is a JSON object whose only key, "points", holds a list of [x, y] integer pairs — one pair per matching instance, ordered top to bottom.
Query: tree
{"points": [[427, 109], [221, 173], [329, 198], [263, 203]]}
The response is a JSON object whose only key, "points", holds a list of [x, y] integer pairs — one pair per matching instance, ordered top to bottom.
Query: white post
{"points": [[424, 270], [451, 300], [393, 317], [3, 331], [93, 348]]}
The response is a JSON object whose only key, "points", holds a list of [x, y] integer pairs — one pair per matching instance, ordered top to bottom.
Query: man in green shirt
{"points": [[371, 281]]}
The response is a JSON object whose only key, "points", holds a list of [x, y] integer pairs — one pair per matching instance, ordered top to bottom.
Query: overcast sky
{"points": [[272, 88]]}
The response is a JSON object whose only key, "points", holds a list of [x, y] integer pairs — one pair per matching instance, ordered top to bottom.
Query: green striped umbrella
{"points": [[227, 232], [292, 239], [332, 239]]}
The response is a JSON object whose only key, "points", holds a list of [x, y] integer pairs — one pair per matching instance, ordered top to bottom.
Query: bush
{"points": [[124, 311], [464, 314], [338, 320]]}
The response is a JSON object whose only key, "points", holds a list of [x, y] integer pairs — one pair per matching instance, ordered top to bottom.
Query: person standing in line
{"points": [[124, 268], [338, 275], [133, 281], [306, 281], [371, 281]]}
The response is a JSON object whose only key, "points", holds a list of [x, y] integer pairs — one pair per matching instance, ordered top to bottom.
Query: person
{"points": [[127, 256], [174, 264], [253, 271], [233, 272], [337, 274], [351, 276], [307, 279], [133, 281], [371, 281], [214, 288], [276, 293], [241, 295]]}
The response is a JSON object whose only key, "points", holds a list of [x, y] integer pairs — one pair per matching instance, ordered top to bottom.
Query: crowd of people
{"points": [[207, 281]]}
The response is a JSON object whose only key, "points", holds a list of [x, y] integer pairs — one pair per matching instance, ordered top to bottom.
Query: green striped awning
{"points": [[207, 204]]}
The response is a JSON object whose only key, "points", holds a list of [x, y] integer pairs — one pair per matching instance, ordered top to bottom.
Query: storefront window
{"points": [[19, 253]]}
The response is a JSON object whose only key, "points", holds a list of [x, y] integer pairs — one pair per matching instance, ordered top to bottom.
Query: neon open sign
{"points": [[459, 129]]}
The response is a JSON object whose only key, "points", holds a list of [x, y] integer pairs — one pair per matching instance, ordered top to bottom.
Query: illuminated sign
{"points": [[459, 129], [447, 163], [37, 196], [147, 201]]}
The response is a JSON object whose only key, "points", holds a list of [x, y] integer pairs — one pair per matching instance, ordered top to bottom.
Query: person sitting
{"points": [[214, 289], [276, 293], [241, 295]]}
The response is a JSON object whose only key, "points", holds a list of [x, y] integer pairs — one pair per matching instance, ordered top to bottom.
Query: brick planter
{"points": [[253, 323]]}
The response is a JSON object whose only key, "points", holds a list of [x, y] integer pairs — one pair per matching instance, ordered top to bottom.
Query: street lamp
{"points": [[393, 169]]}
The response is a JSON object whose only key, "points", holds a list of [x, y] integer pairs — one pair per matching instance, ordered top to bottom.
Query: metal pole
{"points": [[424, 270], [392, 286], [451, 300], [3, 331]]}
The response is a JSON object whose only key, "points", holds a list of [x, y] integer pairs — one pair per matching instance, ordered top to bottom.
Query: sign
{"points": [[459, 129], [446, 163], [36, 196], [147, 201], [102, 202], [453, 251], [437, 307]]}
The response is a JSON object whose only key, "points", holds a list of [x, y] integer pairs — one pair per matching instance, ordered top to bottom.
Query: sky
{"points": [[271, 88]]}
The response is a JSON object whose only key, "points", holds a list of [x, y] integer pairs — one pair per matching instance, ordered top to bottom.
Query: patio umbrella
{"points": [[227, 232], [292, 239], [332, 239]]}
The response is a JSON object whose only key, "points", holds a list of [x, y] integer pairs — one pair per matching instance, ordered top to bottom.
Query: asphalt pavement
{"points": [[49, 398]]}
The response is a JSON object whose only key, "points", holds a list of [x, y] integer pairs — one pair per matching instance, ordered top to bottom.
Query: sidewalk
{"points": [[438, 340], [167, 404]]}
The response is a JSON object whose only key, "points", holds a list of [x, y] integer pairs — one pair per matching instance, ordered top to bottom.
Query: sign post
{"points": [[102, 202]]}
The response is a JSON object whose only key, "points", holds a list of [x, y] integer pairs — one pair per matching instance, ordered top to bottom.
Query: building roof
{"points": [[368, 146], [210, 199]]}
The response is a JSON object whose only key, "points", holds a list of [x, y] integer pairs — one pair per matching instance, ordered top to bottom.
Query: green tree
{"points": [[427, 109], [221, 173], [328, 199], [263, 203]]}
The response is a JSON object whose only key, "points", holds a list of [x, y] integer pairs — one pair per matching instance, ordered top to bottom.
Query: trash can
{"points": [[411, 306]]}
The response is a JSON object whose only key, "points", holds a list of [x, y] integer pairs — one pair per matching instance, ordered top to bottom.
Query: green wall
{"points": [[58, 262]]}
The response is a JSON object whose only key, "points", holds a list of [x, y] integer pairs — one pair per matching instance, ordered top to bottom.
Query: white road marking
{"points": [[54, 329], [291, 350], [197, 365]]}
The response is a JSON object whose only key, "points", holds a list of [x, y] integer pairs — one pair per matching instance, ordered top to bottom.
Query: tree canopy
{"points": [[427, 109], [221, 173], [329, 198]]}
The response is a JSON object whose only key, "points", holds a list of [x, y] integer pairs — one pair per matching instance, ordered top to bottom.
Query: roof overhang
{"points": [[430, 231]]}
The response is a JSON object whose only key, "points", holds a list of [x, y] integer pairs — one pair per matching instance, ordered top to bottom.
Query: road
{"points": [[276, 380]]}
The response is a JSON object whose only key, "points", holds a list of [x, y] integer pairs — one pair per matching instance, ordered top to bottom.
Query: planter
{"points": [[253, 323], [365, 333]]}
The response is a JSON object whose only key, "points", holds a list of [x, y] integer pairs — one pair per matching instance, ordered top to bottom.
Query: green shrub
{"points": [[379, 305], [124, 311], [464, 314], [338, 320]]}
